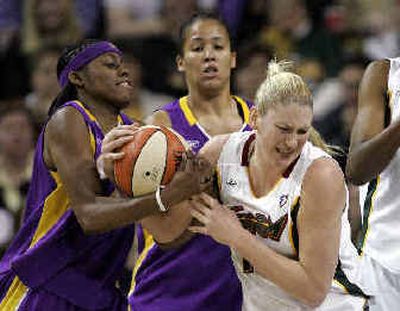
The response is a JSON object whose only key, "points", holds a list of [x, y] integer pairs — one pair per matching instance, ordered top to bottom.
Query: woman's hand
{"points": [[111, 144], [194, 176], [218, 221]]}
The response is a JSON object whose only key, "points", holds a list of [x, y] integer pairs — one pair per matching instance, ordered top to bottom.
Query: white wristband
{"points": [[100, 169], [160, 204]]}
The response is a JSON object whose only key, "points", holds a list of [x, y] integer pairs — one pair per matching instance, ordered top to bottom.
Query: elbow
{"points": [[354, 173], [86, 221], [315, 297]]}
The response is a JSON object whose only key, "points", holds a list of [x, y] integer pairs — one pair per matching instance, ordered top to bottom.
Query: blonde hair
{"points": [[33, 41], [282, 87]]}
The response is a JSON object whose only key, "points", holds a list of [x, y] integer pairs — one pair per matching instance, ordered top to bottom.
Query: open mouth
{"points": [[210, 70], [125, 83]]}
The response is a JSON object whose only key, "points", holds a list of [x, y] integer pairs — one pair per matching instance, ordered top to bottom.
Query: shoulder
{"points": [[377, 72], [160, 117], [65, 120], [213, 148], [324, 175]]}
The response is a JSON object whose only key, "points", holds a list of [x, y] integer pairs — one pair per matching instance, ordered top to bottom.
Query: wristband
{"points": [[100, 170], [160, 204]]}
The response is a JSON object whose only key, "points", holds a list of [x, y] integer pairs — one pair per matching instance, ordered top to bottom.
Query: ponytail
{"points": [[67, 94]]}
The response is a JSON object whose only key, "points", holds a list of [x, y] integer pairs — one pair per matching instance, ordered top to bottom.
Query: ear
{"points": [[233, 60], [180, 63], [76, 79], [253, 118]]}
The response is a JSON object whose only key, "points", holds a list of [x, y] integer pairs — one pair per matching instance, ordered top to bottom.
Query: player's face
{"points": [[207, 58], [106, 79], [283, 131]]}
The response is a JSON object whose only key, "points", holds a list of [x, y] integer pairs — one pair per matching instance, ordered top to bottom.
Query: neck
{"points": [[210, 103], [105, 113], [258, 166]]}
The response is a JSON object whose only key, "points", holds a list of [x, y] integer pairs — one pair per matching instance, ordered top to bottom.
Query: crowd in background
{"points": [[330, 41]]}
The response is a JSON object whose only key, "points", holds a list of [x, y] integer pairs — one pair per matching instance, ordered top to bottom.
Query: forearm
{"points": [[368, 159], [108, 213], [167, 228], [288, 274]]}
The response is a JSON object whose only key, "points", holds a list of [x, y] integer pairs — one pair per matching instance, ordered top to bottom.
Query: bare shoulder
{"points": [[378, 66], [375, 76], [159, 118], [64, 121], [66, 133], [212, 149], [324, 170], [324, 186]]}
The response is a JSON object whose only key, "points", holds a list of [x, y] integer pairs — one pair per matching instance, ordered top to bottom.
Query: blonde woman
{"points": [[49, 23], [284, 211]]}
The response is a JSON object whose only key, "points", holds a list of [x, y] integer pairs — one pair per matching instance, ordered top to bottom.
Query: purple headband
{"points": [[85, 56]]}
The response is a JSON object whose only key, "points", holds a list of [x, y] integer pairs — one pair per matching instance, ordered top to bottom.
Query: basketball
{"points": [[151, 159]]}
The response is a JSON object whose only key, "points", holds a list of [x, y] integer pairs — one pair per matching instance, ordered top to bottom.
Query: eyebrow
{"points": [[197, 38]]}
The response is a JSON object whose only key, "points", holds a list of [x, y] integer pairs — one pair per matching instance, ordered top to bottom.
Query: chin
{"points": [[122, 104], [284, 162]]}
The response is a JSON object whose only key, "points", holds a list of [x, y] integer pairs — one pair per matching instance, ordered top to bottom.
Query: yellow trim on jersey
{"points": [[183, 103], [245, 109], [91, 116], [219, 179], [55, 205], [371, 209], [290, 231], [148, 244], [340, 285], [15, 294]]}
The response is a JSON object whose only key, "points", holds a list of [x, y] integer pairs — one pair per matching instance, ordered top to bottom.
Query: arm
{"points": [[372, 145], [212, 149], [68, 151], [354, 214], [169, 230], [309, 278]]}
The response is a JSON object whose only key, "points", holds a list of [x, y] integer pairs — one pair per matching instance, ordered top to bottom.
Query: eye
{"points": [[218, 47], [197, 48], [112, 65], [283, 129], [302, 132]]}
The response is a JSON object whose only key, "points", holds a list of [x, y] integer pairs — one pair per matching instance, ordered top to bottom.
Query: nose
{"points": [[209, 53], [123, 71], [291, 141]]}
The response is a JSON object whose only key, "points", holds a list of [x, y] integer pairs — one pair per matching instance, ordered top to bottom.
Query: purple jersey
{"points": [[51, 264], [198, 276]]}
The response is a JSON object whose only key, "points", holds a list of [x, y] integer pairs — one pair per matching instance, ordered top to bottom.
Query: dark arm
{"points": [[372, 145], [68, 151]]}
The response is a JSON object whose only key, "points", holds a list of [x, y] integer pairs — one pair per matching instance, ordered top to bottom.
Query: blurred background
{"points": [[331, 42]]}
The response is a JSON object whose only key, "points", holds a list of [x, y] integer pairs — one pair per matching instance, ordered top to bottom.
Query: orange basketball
{"points": [[151, 159]]}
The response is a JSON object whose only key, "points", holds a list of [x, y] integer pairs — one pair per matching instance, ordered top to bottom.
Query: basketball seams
{"points": [[174, 144], [151, 159], [150, 165], [123, 178]]}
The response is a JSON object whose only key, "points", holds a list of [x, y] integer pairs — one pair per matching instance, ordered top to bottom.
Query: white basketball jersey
{"points": [[382, 203], [273, 219]]}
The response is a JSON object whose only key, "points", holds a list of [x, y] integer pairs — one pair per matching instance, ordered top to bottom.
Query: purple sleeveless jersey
{"points": [[60, 267], [199, 276]]}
